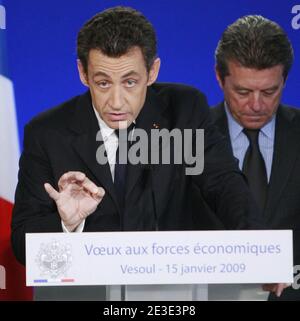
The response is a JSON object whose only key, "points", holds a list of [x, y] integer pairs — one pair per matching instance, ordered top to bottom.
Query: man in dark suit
{"points": [[253, 59], [63, 185]]}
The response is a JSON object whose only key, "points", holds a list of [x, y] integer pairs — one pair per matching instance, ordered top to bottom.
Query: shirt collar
{"points": [[235, 128], [269, 129]]}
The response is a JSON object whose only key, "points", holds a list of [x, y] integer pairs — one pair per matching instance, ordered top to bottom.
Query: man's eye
{"points": [[130, 83], [103, 84], [243, 93], [269, 93]]}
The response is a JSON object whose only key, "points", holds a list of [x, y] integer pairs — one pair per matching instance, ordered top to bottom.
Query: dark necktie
{"points": [[254, 168], [120, 169]]}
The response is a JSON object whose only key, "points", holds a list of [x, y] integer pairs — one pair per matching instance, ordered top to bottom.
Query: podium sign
{"points": [[175, 257]]}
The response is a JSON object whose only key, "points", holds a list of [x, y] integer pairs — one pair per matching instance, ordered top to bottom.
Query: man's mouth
{"points": [[117, 116], [256, 116]]}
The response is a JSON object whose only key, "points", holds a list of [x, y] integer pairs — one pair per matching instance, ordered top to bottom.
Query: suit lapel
{"points": [[150, 117], [220, 119], [85, 125], [284, 157]]}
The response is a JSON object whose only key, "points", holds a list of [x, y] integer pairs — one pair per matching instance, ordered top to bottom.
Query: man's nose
{"points": [[116, 98], [256, 102]]}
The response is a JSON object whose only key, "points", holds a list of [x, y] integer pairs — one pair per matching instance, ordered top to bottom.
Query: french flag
{"points": [[12, 274]]}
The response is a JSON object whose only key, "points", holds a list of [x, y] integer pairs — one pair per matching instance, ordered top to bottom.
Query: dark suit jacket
{"points": [[158, 197], [282, 209]]}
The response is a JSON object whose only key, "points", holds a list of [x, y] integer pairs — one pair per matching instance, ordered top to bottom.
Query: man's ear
{"points": [[153, 72], [82, 73], [219, 79]]}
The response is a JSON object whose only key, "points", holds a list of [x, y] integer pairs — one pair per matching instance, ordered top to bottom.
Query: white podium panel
{"points": [[185, 257]]}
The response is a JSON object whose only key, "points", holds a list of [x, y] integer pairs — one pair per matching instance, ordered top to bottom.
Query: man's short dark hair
{"points": [[115, 31], [254, 42]]}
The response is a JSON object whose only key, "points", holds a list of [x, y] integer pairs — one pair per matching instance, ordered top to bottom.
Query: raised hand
{"points": [[77, 198]]}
